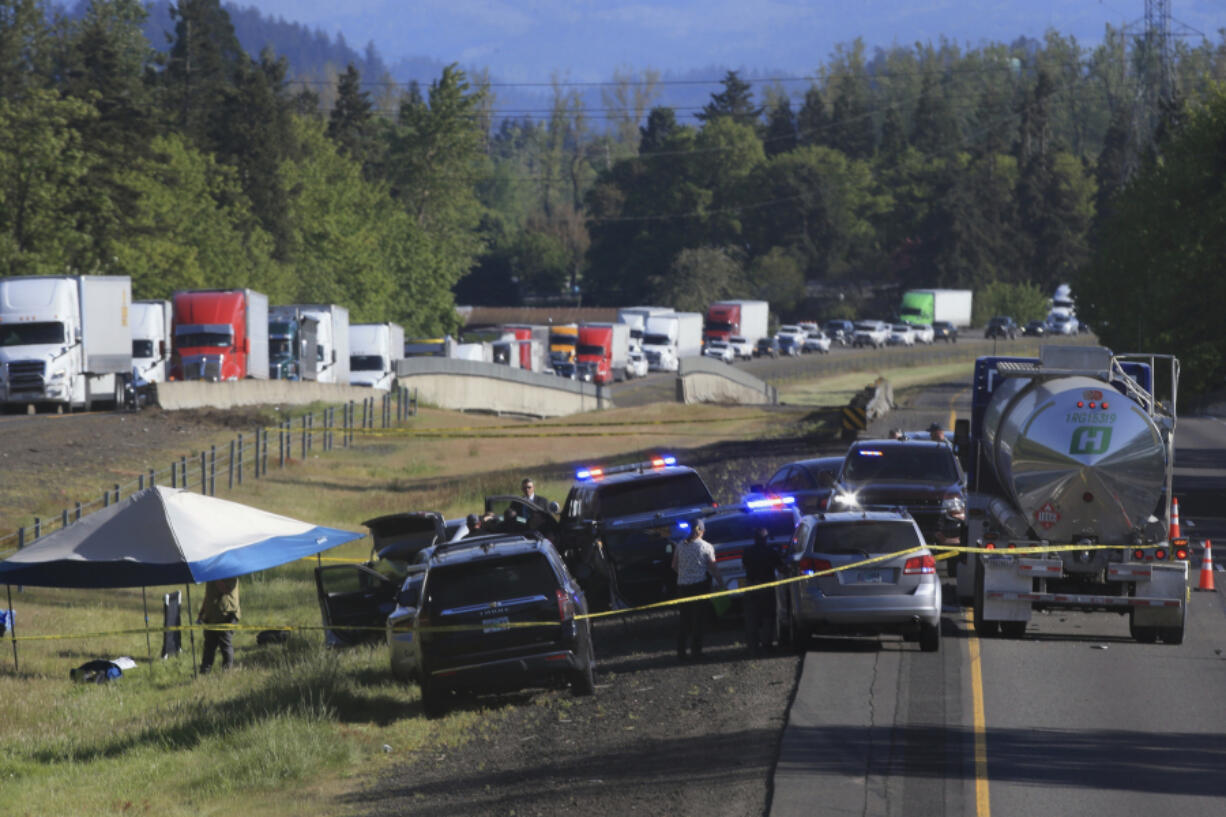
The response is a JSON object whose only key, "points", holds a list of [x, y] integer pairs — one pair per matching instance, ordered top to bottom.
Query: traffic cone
{"points": [[1175, 534], [1206, 569]]}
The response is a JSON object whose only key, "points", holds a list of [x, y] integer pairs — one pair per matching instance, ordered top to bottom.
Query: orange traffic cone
{"points": [[1174, 520], [1206, 569]]}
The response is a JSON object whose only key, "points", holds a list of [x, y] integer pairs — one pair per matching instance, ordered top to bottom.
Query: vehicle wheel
{"points": [[985, 629], [1013, 629], [1142, 635], [1174, 635], [930, 637], [798, 638], [583, 681], [433, 699]]}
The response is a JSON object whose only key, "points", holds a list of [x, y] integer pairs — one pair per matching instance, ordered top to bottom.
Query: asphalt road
{"points": [[1075, 718]]}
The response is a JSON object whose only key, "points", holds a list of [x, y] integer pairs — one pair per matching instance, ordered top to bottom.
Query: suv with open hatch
{"points": [[617, 528], [838, 588], [499, 613]]}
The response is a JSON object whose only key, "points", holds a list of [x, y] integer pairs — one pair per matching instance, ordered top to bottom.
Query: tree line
{"points": [[1005, 168]]}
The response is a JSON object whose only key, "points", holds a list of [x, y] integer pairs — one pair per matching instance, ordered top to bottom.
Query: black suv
{"points": [[1002, 326], [944, 330], [767, 347], [920, 476], [618, 525], [499, 613]]}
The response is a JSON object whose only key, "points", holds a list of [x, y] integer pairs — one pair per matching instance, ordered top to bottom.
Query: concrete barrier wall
{"points": [[705, 380], [469, 385], [193, 394]]}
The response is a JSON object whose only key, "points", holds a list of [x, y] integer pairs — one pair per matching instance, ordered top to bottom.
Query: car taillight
{"points": [[990, 546], [1160, 554], [1139, 555], [810, 564], [917, 565], [566, 606]]}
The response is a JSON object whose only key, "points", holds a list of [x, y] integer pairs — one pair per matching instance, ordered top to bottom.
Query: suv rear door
{"points": [[844, 543], [484, 598]]}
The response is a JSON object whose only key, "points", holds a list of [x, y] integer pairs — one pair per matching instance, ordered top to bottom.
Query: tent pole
{"points": [[12, 627], [192, 631], [148, 645]]}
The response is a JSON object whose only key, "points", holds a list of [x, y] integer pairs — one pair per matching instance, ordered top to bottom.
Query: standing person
{"points": [[936, 433], [529, 493], [760, 561], [694, 563], [220, 607]]}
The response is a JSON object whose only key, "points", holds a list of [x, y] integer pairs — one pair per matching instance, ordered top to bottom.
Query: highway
{"points": [[1075, 718]]}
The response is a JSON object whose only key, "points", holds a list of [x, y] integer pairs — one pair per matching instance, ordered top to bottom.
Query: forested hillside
{"points": [[1006, 168]]}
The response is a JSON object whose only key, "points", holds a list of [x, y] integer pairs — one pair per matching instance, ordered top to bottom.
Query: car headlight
{"points": [[845, 499], [954, 506]]}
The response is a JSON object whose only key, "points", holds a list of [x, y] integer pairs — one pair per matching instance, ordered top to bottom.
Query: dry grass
{"points": [[837, 390]]}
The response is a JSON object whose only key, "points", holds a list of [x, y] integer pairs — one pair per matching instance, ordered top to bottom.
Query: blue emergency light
{"points": [[869, 453], [597, 473], [770, 502]]}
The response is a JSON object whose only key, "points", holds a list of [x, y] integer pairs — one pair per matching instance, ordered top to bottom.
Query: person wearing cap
{"points": [[935, 432], [895, 434], [473, 524], [760, 561], [694, 564]]}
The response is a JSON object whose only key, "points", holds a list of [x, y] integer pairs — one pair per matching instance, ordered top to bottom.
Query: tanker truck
{"points": [[1072, 453]]}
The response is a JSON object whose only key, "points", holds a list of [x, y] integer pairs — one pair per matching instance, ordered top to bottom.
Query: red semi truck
{"points": [[727, 319], [220, 334], [603, 349]]}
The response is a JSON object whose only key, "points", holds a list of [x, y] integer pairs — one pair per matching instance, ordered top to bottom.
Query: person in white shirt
{"points": [[694, 564]]}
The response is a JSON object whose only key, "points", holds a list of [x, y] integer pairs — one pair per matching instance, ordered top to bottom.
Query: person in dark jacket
{"points": [[528, 492], [760, 561], [220, 607]]}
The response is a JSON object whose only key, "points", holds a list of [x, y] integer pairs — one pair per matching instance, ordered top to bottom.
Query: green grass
{"points": [[297, 717]]}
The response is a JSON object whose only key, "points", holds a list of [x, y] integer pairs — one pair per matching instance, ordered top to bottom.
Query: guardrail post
{"points": [[414, 402], [310, 432], [304, 438], [280, 443], [257, 452], [264, 453], [240, 459], [183, 469], [212, 470], [204, 473], [174, 474], [153, 478], [140, 482], [230, 484], [116, 492], [106, 499], [77, 513], [64, 518], [38, 528], [21, 537]]}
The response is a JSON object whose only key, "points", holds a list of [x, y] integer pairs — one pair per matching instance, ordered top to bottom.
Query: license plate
{"points": [[870, 576], [493, 625]]}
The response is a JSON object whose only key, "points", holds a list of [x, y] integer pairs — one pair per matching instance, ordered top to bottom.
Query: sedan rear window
{"points": [[926, 464], [643, 496], [865, 537], [482, 582]]}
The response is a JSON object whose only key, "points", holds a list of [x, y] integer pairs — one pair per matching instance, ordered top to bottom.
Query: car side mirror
{"points": [[554, 507]]}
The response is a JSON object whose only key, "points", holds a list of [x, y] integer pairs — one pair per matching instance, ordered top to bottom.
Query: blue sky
{"points": [[586, 40]]}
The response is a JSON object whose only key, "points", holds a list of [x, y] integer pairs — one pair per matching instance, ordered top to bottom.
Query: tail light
{"points": [[990, 546], [1011, 546], [1160, 554], [1181, 554], [1139, 555], [809, 564], [918, 565], [566, 606]]}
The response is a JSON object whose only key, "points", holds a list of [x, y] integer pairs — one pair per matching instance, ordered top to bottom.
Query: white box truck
{"points": [[931, 305], [636, 318], [668, 338], [332, 339], [65, 341], [151, 342], [374, 349]]}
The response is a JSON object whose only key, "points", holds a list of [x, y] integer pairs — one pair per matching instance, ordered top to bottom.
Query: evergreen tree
{"points": [[25, 47], [202, 68], [735, 101], [851, 118], [812, 122], [351, 123], [660, 128], [780, 128], [935, 130], [893, 135]]}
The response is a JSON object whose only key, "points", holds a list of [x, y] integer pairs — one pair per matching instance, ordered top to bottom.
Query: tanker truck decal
{"points": [[1071, 456]]}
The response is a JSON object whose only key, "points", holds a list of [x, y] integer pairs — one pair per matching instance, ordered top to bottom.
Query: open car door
{"points": [[529, 517], [354, 596]]}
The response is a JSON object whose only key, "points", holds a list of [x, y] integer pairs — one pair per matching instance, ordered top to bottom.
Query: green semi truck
{"points": [[931, 305]]}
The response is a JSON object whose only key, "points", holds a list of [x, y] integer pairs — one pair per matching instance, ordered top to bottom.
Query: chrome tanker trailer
{"points": [[1071, 453]]}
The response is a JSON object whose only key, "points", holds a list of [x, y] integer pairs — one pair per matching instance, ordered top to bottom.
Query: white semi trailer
{"points": [[332, 337], [668, 338], [65, 341], [151, 341], [374, 349]]}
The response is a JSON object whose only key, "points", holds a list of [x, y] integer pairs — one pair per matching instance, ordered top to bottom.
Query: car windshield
{"points": [[719, 326], [866, 327], [902, 327], [789, 329], [28, 334], [736, 339], [190, 340], [562, 340], [655, 340], [765, 343], [716, 344], [142, 348], [279, 349], [589, 349], [365, 363], [927, 463], [644, 496], [778, 525], [864, 536], [484, 581]]}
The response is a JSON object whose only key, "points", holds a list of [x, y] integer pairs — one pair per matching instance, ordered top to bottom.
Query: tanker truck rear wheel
{"points": [[985, 629], [1013, 629], [1142, 635], [1174, 635]]}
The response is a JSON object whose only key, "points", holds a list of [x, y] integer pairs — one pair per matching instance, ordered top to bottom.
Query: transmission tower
{"points": [[1153, 63]]}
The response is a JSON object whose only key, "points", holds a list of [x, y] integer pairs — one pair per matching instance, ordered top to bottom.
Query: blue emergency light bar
{"points": [[869, 453], [597, 473], [770, 502]]}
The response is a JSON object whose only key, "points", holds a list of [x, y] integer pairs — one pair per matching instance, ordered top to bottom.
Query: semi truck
{"points": [[931, 305], [636, 317], [729, 319], [1062, 319], [220, 334], [668, 338], [563, 339], [65, 341], [331, 341], [533, 341], [150, 342], [292, 344], [374, 349], [603, 351], [1071, 454]]}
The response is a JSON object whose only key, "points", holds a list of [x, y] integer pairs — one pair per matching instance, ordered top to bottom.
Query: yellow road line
{"points": [[953, 415], [983, 806]]}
